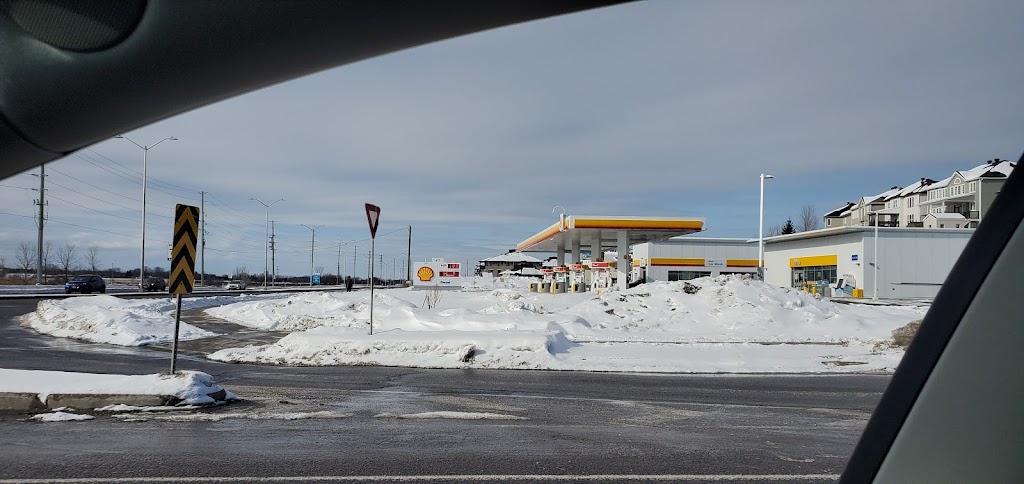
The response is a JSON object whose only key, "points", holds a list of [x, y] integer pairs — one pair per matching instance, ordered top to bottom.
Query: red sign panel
{"points": [[373, 217], [453, 265], [600, 265], [561, 269], [547, 271], [449, 274]]}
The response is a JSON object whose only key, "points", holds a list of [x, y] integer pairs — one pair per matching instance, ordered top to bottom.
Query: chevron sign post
{"points": [[183, 263]]}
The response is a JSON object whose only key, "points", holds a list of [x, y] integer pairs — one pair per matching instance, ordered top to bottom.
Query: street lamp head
{"points": [[118, 137], [172, 138], [767, 177]]}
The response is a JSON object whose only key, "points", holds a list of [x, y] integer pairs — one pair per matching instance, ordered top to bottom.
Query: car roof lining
{"points": [[184, 54]]}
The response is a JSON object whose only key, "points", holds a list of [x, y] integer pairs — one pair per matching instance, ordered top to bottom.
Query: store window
{"points": [[813, 274], [686, 275]]}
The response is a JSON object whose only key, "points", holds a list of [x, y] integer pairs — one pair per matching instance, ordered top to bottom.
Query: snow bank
{"points": [[733, 309], [109, 319], [125, 322], [724, 324], [427, 349], [191, 387]]}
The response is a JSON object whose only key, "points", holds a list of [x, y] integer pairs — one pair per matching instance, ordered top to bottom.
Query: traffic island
{"points": [[35, 391]]}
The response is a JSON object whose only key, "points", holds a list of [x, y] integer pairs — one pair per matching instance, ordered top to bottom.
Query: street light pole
{"points": [[145, 176], [760, 230], [266, 241], [312, 241], [874, 295]]}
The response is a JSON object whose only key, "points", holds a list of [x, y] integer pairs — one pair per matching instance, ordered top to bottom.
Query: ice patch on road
{"points": [[216, 417]]}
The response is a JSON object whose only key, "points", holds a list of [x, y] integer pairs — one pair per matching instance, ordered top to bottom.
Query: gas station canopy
{"points": [[607, 232]]}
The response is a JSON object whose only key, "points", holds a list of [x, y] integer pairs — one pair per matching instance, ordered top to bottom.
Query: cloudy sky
{"points": [[660, 108]]}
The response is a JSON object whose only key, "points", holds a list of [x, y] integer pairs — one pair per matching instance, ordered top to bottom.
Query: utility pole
{"points": [[40, 222], [202, 239], [266, 241], [312, 244], [354, 247], [273, 254], [408, 255], [339, 262], [383, 270]]}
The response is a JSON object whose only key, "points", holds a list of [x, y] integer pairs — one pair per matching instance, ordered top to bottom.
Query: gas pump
{"points": [[601, 277], [561, 278], [576, 278], [546, 283]]}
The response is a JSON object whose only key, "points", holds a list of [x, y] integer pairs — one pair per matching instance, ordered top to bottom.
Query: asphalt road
{"points": [[553, 426]]}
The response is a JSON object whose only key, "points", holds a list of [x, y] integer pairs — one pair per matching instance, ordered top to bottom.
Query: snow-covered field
{"points": [[125, 322], [725, 324]]}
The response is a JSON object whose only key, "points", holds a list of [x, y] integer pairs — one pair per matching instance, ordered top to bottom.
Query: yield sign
{"points": [[373, 217]]}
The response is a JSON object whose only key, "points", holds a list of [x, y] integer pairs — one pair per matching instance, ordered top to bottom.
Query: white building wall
{"points": [[695, 248], [778, 252], [912, 262], [915, 263]]}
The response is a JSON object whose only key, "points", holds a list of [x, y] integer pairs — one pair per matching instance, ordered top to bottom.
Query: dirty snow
{"points": [[125, 322], [729, 324], [192, 387], [61, 417]]}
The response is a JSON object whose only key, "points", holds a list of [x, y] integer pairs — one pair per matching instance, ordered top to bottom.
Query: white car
{"points": [[234, 285]]}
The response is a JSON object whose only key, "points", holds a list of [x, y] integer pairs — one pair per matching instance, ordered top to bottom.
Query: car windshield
{"points": [[659, 238]]}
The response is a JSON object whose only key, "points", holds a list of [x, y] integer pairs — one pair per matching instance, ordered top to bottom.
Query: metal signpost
{"points": [[373, 218], [183, 264]]}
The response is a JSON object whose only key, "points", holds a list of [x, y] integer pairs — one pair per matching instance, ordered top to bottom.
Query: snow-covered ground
{"points": [[125, 322], [725, 324], [191, 387]]}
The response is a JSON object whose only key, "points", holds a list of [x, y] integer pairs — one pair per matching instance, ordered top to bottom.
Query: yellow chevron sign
{"points": [[183, 254]]}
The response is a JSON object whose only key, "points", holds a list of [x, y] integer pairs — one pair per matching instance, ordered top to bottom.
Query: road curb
{"points": [[26, 403]]}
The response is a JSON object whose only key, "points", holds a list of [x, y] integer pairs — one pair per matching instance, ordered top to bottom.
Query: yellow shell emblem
{"points": [[425, 273]]}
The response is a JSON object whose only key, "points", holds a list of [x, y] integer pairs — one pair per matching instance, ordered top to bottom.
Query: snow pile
{"points": [[733, 309], [498, 310], [108, 319], [125, 322], [426, 349], [190, 387], [61, 417]]}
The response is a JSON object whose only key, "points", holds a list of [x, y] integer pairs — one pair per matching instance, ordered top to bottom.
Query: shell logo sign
{"points": [[425, 273]]}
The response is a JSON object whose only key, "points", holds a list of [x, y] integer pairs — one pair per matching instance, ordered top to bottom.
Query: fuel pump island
{"points": [[570, 235]]}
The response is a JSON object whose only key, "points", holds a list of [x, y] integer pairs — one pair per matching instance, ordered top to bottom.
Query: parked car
{"points": [[85, 284], [154, 284], [234, 285]]}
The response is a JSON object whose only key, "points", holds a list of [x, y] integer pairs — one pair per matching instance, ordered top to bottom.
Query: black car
{"points": [[85, 284], [154, 284]]}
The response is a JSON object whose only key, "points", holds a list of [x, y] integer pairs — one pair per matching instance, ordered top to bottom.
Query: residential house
{"points": [[969, 193], [512, 261]]}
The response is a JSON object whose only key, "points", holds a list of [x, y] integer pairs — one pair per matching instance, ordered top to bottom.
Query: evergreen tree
{"points": [[788, 228]]}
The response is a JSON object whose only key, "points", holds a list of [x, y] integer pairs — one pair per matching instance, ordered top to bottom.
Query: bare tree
{"points": [[808, 219], [773, 231], [26, 256], [67, 256], [93, 258], [3, 266], [319, 269], [240, 273]]}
